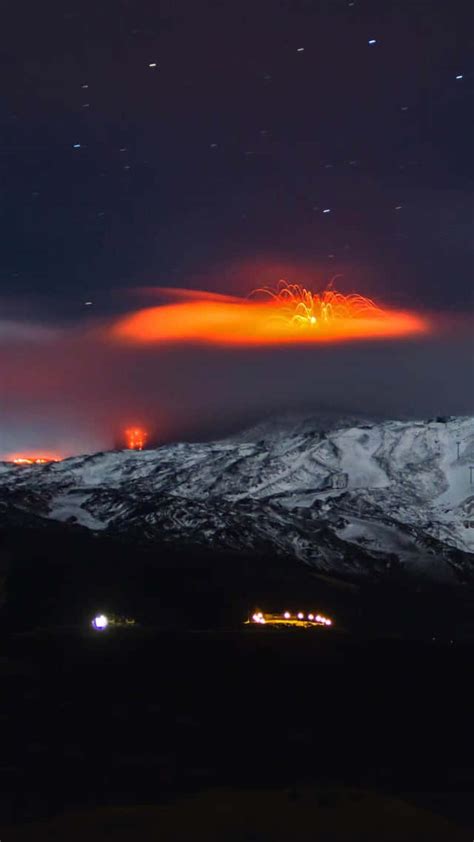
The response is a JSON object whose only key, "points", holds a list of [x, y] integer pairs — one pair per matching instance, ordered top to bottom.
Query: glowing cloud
{"points": [[288, 315]]}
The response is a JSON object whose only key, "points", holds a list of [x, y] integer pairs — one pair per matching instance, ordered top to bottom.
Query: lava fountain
{"points": [[136, 438]]}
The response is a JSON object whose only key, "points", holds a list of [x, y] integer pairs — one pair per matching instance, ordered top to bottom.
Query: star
{"points": [[372, 42], [152, 64], [459, 76], [76, 145], [327, 210]]}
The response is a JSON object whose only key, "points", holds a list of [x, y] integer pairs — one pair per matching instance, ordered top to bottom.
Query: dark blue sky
{"points": [[230, 149], [212, 170]]}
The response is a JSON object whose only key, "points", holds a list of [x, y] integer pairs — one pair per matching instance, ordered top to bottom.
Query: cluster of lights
{"points": [[312, 618], [291, 619]]}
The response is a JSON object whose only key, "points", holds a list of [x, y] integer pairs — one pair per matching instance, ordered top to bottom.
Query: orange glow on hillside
{"points": [[288, 315], [136, 438], [31, 459]]}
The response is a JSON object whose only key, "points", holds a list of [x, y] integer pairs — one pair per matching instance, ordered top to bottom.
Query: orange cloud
{"points": [[289, 315]]}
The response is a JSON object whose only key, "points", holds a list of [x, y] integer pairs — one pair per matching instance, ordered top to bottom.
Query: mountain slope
{"points": [[350, 498]]}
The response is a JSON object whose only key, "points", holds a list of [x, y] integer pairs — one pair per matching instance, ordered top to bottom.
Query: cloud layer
{"points": [[73, 390]]}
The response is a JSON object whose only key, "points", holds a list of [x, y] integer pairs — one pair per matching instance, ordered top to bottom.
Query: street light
{"points": [[100, 622]]}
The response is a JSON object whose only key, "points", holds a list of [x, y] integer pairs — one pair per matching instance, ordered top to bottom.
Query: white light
{"points": [[372, 42], [300, 50], [152, 64], [459, 76], [76, 145], [327, 210], [287, 615], [300, 616], [310, 616], [100, 622], [329, 622]]}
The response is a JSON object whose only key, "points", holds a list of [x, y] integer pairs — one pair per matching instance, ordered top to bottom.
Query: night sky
{"points": [[221, 146]]}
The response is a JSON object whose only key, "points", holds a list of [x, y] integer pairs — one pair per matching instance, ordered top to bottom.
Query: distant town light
{"points": [[287, 615], [310, 616], [100, 622]]}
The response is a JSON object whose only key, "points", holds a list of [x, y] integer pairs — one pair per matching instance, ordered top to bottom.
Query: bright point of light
{"points": [[372, 42], [300, 50], [152, 64], [459, 76], [76, 145], [327, 210], [313, 320], [287, 615], [300, 616], [310, 616], [100, 622], [329, 622]]}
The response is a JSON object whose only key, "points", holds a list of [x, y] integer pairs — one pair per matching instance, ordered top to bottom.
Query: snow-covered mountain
{"points": [[350, 498]]}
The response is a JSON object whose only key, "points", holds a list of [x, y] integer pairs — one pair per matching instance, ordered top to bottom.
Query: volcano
{"points": [[351, 498]]}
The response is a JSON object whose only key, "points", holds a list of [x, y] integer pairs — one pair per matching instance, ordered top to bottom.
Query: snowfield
{"points": [[348, 497]]}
